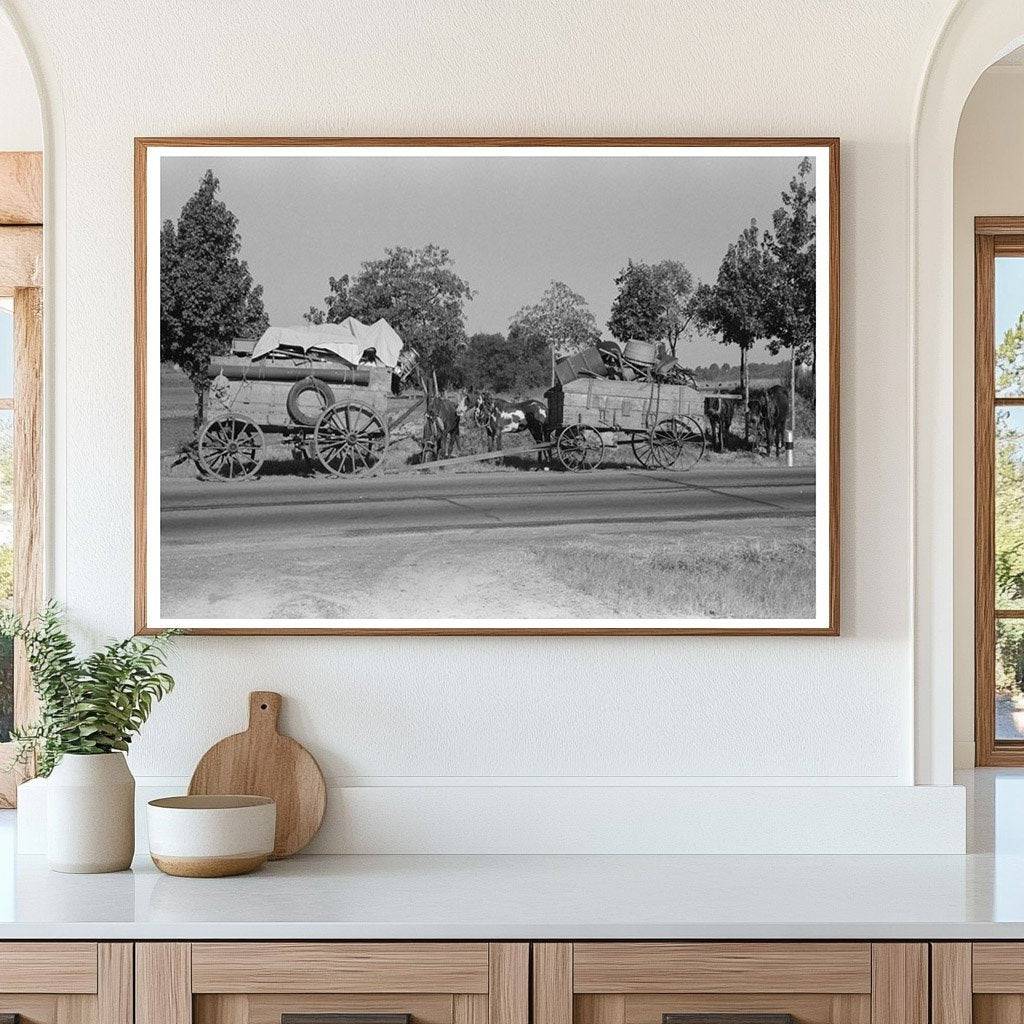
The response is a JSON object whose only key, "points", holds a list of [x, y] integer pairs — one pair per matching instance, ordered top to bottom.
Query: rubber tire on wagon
{"points": [[293, 403]]}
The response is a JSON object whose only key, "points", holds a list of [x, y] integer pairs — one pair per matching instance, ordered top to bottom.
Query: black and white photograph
{"points": [[471, 386]]}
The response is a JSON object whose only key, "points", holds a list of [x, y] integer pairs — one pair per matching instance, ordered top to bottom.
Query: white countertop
{"points": [[978, 896], [532, 897]]}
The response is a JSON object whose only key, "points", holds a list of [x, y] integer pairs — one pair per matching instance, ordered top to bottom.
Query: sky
{"points": [[512, 224], [1009, 293]]}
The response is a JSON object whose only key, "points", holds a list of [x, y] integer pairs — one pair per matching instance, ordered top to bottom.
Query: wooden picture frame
{"points": [[826, 619]]}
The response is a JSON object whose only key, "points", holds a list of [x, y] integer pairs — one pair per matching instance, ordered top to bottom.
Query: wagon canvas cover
{"points": [[347, 340]]}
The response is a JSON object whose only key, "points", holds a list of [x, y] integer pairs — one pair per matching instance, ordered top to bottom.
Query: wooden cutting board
{"points": [[262, 762]]}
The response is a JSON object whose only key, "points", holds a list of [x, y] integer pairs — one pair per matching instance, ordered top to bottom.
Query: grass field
{"points": [[737, 573]]}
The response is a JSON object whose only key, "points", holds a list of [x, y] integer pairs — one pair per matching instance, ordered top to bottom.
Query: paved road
{"points": [[195, 512]]}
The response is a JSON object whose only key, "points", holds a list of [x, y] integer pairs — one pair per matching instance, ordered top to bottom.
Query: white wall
{"points": [[21, 125], [988, 181], [441, 713]]}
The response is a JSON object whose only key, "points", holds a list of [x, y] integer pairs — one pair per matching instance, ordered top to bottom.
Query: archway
{"points": [[976, 33]]}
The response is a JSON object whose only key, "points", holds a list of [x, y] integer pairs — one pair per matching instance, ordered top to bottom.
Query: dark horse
{"points": [[769, 412], [440, 424]]}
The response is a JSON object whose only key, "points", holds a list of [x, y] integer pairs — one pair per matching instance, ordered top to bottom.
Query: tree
{"points": [[790, 271], [675, 283], [419, 293], [207, 295], [653, 302], [337, 303], [734, 306], [637, 308], [562, 320], [1010, 361], [512, 365], [1009, 472]]}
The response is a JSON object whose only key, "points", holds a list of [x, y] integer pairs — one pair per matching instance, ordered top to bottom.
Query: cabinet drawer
{"points": [[48, 967], [340, 967], [635, 967], [66, 982], [264, 982], [732, 982]]}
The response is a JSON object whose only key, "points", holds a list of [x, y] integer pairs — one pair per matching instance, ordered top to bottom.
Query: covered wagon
{"points": [[322, 388]]}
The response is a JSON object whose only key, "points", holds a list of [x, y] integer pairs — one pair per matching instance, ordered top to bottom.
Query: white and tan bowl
{"points": [[211, 836]]}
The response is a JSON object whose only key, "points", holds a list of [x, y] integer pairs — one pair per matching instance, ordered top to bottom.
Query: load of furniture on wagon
{"points": [[323, 389], [608, 394]]}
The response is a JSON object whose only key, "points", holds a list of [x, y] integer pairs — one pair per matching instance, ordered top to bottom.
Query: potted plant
{"points": [[89, 710]]}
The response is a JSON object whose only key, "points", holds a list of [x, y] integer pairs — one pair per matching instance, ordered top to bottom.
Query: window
{"points": [[21, 375], [999, 490], [6, 510]]}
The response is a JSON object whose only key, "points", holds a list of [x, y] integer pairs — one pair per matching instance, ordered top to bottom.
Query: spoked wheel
{"points": [[349, 438], [677, 443], [579, 447], [230, 448], [643, 449]]}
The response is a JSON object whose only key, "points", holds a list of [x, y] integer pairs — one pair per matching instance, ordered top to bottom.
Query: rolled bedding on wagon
{"points": [[349, 341]]}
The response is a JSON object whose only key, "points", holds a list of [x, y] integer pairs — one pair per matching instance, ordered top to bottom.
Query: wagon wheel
{"points": [[349, 438], [677, 443], [580, 447], [230, 448], [643, 449]]}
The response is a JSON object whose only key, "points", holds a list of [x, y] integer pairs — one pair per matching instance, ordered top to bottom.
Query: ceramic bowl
{"points": [[211, 836]]}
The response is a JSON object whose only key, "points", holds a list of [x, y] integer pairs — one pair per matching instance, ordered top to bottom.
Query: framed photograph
{"points": [[487, 386]]}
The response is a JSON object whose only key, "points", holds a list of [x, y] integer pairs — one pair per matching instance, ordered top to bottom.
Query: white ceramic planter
{"points": [[90, 814]]}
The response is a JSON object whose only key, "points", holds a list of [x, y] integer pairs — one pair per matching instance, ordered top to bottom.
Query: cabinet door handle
{"points": [[338, 1018], [728, 1018]]}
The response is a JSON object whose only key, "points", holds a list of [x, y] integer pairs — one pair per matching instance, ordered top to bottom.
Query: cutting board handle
{"points": [[264, 711]]}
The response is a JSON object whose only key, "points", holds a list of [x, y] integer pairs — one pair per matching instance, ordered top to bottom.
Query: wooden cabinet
{"points": [[66, 982], [261, 982], [648, 982], [980, 982]]}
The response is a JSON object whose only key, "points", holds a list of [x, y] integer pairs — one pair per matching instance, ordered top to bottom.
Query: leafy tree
{"points": [[790, 265], [676, 286], [419, 293], [207, 295], [653, 302], [337, 303], [734, 306], [637, 308], [561, 321], [1010, 360], [514, 365], [1009, 473], [1010, 655]]}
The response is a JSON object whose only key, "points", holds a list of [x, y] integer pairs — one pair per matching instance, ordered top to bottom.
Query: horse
{"points": [[719, 410], [769, 413], [499, 417], [440, 421], [441, 428]]}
